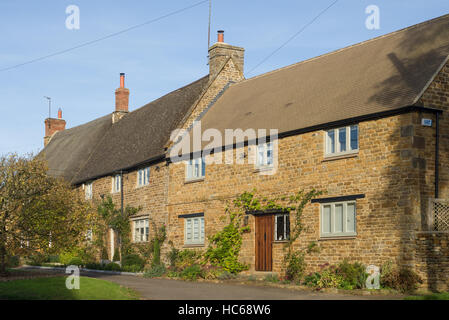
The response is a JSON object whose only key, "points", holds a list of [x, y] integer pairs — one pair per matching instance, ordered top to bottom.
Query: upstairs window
{"points": [[342, 141], [265, 155], [196, 169], [143, 177], [116, 183], [88, 191]]}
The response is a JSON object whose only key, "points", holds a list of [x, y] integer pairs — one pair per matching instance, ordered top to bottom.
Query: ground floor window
{"points": [[338, 219], [281, 227], [141, 230], [194, 230]]}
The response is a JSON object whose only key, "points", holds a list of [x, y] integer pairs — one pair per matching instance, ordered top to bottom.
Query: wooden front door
{"points": [[264, 239]]}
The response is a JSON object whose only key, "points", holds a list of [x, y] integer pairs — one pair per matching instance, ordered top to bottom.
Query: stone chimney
{"points": [[220, 53], [121, 100], [52, 126]]}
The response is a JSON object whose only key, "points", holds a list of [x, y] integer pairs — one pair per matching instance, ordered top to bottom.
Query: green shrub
{"points": [[156, 253], [104, 254], [116, 255], [68, 256], [173, 256], [53, 258], [188, 258], [36, 259], [133, 260], [12, 261], [76, 261], [95, 266], [295, 266], [112, 267], [132, 268], [155, 271], [192, 272], [226, 275], [354, 275], [272, 278], [312, 279], [329, 279], [402, 279]]}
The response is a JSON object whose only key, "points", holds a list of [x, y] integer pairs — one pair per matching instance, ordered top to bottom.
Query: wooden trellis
{"points": [[438, 215]]}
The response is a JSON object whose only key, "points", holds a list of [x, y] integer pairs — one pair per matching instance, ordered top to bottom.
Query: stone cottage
{"points": [[366, 124]]}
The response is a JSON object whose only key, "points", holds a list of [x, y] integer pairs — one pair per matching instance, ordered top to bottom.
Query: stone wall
{"points": [[383, 170]]}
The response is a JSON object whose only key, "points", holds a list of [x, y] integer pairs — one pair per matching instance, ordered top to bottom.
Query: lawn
{"points": [[54, 288], [435, 296]]}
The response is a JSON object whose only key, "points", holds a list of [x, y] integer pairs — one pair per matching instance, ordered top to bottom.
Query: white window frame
{"points": [[337, 151], [262, 158], [191, 165], [143, 177], [116, 183], [88, 190], [141, 224], [192, 226], [333, 233], [286, 236]]}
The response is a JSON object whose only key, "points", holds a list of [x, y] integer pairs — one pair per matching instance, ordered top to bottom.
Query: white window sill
{"points": [[331, 157], [263, 168], [187, 181], [142, 186], [335, 237], [139, 242], [194, 245]]}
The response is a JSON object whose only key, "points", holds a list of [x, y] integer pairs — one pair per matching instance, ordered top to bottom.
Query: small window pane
{"points": [[354, 137], [342, 139], [331, 141], [203, 167], [339, 218], [350, 218], [327, 219], [280, 232]]}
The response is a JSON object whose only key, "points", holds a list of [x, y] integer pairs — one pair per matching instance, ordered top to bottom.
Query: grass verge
{"points": [[54, 288]]}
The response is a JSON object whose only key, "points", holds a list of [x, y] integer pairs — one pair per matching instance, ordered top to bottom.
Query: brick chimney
{"points": [[220, 52], [121, 100], [52, 126]]}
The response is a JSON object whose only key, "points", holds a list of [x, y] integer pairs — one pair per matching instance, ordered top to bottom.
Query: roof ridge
{"points": [[349, 47], [173, 91]]}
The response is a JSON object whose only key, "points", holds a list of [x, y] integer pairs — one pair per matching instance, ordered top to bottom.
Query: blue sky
{"points": [[159, 57]]}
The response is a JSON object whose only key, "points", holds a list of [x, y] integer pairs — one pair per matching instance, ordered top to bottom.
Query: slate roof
{"points": [[100, 148]]}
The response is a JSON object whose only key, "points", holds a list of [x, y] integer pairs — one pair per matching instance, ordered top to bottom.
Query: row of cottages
{"points": [[367, 124]]}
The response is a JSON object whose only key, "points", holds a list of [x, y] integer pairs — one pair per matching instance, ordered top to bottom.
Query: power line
{"points": [[105, 37], [293, 37]]}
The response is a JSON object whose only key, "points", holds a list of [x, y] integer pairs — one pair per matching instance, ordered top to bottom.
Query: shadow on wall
{"points": [[409, 198]]}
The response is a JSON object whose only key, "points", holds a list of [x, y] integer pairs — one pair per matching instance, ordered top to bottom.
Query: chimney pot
{"points": [[220, 36], [122, 80], [59, 113]]}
